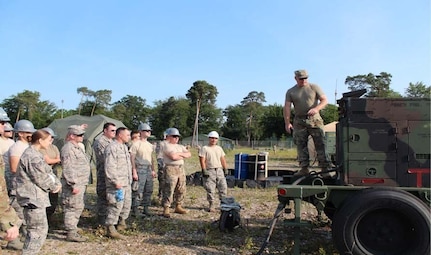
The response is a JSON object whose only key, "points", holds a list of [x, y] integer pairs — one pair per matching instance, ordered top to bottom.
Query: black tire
{"points": [[382, 221]]}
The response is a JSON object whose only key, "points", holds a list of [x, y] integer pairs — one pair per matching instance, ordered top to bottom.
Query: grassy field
{"points": [[197, 232]]}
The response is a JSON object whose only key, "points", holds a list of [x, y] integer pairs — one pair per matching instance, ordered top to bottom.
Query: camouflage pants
{"points": [[300, 138], [160, 176], [215, 180], [174, 188], [143, 195], [102, 203], [73, 205], [117, 209], [37, 230]]}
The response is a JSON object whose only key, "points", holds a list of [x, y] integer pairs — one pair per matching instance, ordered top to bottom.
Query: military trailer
{"points": [[378, 197]]}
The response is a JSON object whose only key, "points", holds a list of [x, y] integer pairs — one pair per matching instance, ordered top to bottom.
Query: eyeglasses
{"points": [[303, 78], [112, 130], [80, 135], [213, 138]]}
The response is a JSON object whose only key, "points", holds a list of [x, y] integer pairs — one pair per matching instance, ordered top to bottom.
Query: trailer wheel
{"points": [[382, 221]]}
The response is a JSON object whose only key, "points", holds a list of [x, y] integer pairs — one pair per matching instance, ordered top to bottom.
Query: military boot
{"points": [[304, 171], [211, 208], [180, 210], [147, 211], [166, 212], [121, 225], [112, 232], [74, 236], [15, 244]]}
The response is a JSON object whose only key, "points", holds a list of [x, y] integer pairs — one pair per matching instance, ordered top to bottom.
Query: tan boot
{"points": [[304, 171], [180, 210], [166, 212], [121, 225], [112, 232], [74, 236], [15, 244]]}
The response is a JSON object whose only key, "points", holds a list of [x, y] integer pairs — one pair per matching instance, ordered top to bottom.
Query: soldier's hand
{"points": [[226, 172], [205, 173], [57, 189], [12, 233]]}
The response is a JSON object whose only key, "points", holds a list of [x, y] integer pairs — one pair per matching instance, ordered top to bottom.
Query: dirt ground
{"points": [[196, 232]]}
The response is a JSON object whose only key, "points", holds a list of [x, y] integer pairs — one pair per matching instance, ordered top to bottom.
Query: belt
{"points": [[173, 165]]}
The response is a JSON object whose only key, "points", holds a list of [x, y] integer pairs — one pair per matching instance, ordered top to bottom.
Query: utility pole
{"points": [[62, 101]]}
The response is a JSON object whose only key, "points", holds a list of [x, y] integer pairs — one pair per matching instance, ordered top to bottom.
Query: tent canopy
{"points": [[94, 129]]}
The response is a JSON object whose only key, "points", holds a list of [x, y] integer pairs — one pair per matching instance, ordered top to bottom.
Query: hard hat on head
{"points": [[3, 115], [24, 126], [144, 126], [8, 127], [50, 131], [172, 131], [213, 134]]}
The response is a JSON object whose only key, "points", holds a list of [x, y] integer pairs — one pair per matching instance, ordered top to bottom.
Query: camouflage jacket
{"points": [[75, 164], [118, 167], [35, 179], [8, 217]]}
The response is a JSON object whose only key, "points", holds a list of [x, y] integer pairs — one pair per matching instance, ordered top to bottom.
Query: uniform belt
{"points": [[174, 165], [214, 168]]}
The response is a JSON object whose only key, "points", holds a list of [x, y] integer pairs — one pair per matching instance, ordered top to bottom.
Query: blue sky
{"points": [[157, 49]]}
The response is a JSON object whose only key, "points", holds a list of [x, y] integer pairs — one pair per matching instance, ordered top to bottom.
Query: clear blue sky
{"points": [[157, 49]]}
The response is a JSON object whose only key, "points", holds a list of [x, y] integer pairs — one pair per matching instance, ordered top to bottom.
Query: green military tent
{"points": [[93, 131]]}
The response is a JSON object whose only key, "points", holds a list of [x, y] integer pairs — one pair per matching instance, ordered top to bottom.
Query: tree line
{"points": [[196, 111]]}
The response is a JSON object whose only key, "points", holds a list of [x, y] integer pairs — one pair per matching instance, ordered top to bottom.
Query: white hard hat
{"points": [[213, 134]]}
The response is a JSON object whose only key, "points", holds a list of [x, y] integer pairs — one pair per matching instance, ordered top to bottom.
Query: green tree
{"points": [[376, 85], [418, 89], [85, 94], [202, 96], [102, 98], [252, 104], [131, 110], [172, 112], [329, 113], [272, 121], [235, 125]]}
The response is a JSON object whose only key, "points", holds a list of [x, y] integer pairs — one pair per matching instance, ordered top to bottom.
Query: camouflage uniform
{"points": [[303, 99], [5, 144], [99, 147], [15, 150], [142, 152], [53, 153], [160, 167], [118, 170], [75, 175], [216, 178], [33, 182], [174, 188], [8, 216]]}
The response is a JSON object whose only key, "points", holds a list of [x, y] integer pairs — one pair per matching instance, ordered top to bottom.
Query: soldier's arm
{"points": [[9, 221]]}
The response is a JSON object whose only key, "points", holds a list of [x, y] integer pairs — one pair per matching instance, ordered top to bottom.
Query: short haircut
{"points": [[107, 125]]}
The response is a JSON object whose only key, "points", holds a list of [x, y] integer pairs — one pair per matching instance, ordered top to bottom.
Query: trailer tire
{"points": [[382, 221]]}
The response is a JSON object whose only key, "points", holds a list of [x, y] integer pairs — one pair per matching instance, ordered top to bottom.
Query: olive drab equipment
{"points": [[379, 195], [230, 218]]}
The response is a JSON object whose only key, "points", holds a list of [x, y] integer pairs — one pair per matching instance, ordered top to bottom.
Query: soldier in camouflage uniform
{"points": [[308, 99], [24, 129], [6, 141], [99, 147], [141, 155], [52, 158], [160, 167], [214, 169], [118, 172], [75, 176], [175, 176], [34, 181], [9, 220]]}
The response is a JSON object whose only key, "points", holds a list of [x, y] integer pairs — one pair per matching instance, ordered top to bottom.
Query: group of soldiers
{"points": [[125, 178]]}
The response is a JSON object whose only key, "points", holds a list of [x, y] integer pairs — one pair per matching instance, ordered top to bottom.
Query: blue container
{"points": [[241, 168]]}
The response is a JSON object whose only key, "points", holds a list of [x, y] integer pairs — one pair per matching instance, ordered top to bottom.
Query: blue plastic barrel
{"points": [[241, 169]]}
